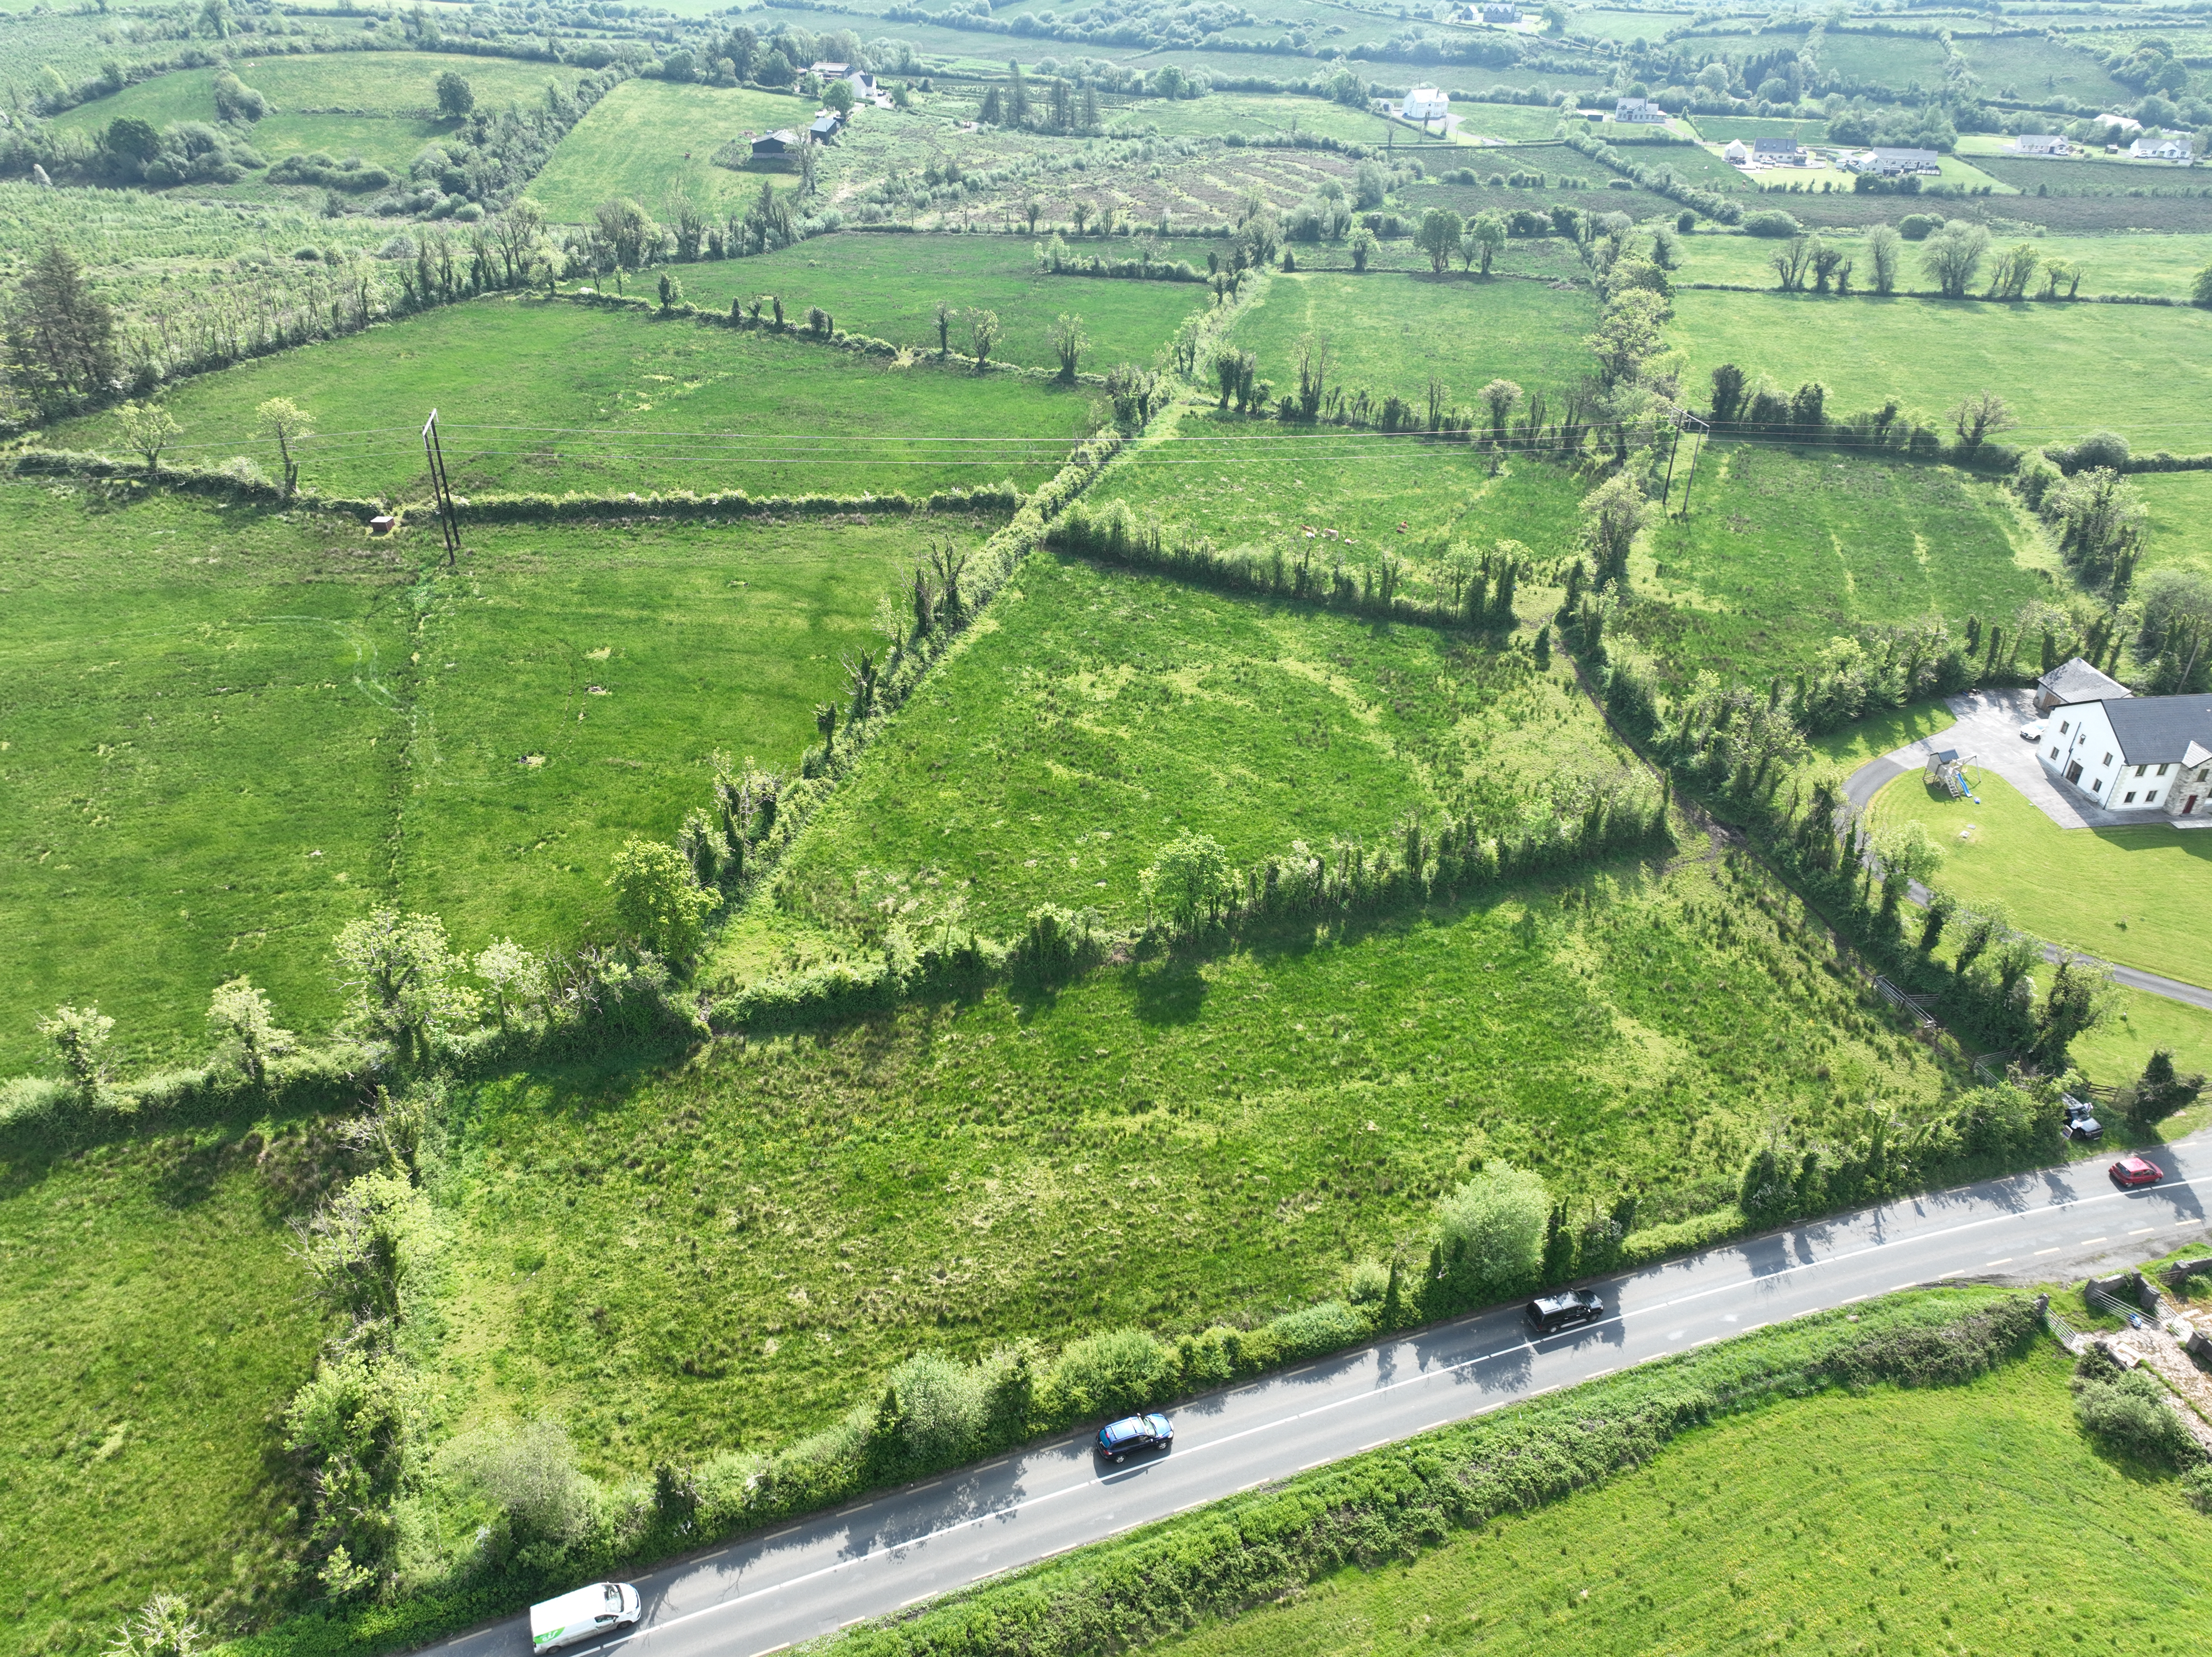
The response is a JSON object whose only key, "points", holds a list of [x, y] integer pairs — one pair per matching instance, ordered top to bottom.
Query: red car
{"points": [[2134, 1170]]}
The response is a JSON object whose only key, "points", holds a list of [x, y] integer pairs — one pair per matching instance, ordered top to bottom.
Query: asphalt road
{"points": [[761, 1594]]}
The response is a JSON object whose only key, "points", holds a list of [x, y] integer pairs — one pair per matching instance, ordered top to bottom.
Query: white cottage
{"points": [[1426, 104], [1736, 153], [2147, 754]]}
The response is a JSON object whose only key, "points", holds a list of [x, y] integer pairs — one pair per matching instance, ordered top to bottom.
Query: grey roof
{"points": [[1784, 146], [1918, 157], [2076, 680], [2157, 729]]}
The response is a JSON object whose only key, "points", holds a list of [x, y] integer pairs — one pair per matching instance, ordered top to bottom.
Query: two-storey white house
{"points": [[2151, 755]]}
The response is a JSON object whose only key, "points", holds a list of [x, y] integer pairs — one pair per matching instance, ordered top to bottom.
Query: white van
{"points": [[599, 1609]]}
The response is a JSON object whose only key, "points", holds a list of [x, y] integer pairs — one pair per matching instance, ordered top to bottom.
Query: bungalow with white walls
{"points": [[1425, 104], [2147, 754]]}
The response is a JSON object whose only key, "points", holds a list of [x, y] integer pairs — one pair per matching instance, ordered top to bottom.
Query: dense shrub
{"points": [[1769, 222], [2130, 1410]]}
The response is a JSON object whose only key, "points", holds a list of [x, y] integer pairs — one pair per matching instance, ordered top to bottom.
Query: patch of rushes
{"points": [[889, 285], [534, 395], [1259, 486], [1787, 549], [1106, 712], [295, 721], [737, 1249], [153, 1325], [1901, 1518]]}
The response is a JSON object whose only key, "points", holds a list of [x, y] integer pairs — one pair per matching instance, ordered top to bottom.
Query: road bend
{"points": [[762, 1593]]}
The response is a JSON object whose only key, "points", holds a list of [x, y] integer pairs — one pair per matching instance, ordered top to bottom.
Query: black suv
{"points": [[1553, 1313]]}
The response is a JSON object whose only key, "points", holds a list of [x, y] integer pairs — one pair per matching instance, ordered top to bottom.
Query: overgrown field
{"points": [[1253, 115], [654, 140], [890, 285], [1389, 331], [2055, 364], [554, 396], [1257, 486], [1785, 550], [1105, 712], [290, 722], [2125, 895], [738, 1247], [153, 1327], [1894, 1519]]}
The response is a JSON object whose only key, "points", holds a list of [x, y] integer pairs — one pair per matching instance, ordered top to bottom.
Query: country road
{"points": [[760, 1593]]}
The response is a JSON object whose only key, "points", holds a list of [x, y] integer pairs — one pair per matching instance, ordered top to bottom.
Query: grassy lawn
{"points": [[1254, 115], [1719, 129], [653, 140], [891, 285], [1389, 331], [2056, 366], [641, 395], [1254, 485], [2180, 531], [1785, 550], [1106, 713], [291, 722], [1882, 733], [2125, 895], [2115, 1051], [1164, 1143], [152, 1327], [1975, 1518]]}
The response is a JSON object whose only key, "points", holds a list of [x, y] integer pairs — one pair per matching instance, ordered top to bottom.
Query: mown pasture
{"points": [[654, 141], [2146, 263], [890, 285], [1389, 331], [2058, 367], [535, 395], [1254, 485], [2179, 530], [1785, 550], [1105, 712], [289, 722], [2125, 895], [1213, 1135], [153, 1324], [1891, 1518]]}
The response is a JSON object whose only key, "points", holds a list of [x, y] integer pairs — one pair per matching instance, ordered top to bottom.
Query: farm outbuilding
{"points": [[781, 142]]}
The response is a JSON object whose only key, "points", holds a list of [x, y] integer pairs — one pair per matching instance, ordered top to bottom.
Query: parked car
{"points": [[2032, 731], [2080, 1124], [2137, 1170], [1553, 1313], [1119, 1440], [600, 1609]]}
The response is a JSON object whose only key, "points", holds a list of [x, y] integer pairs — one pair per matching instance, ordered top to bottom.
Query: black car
{"points": [[2080, 1123], [1553, 1313], [1117, 1439]]}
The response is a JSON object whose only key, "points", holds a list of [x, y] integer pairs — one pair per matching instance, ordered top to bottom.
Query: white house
{"points": [[1497, 13], [829, 71], [1426, 104], [1637, 110], [2039, 144], [2168, 149], [1778, 152], [1736, 154], [1897, 163], [2148, 754]]}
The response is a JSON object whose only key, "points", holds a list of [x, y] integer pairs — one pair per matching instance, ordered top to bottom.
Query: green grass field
{"points": [[392, 96], [1254, 114], [1719, 129], [652, 140], [2123, 263], [891, 285], [1389, 331], [2056, 366], [534, 395], [1255, 485], [2181, 529], [1785, 550], [1106, 713], [291, 723], [2125, 895], [1162, 1142], [153, 1325], [1977, 1518]]}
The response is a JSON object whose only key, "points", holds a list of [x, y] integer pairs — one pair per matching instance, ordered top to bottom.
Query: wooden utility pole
{"points": [[442, 494]]}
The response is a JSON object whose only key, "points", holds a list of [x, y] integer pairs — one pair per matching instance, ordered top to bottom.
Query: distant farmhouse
{"points": [[1426, 104], [1638, 112], [2039, 143], [2170, 148], [1778, 152], [1737, 153], [1897, 163], [2127, 753]]}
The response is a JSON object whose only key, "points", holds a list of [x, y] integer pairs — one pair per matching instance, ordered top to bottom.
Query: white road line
{"points": [[2142, 1231], [2085, 1242], [2040, 1252], [2007, 1260]]}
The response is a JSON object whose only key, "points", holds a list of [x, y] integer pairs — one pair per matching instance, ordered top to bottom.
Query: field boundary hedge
{"points": [[185, 480], [1398, 1503]]}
